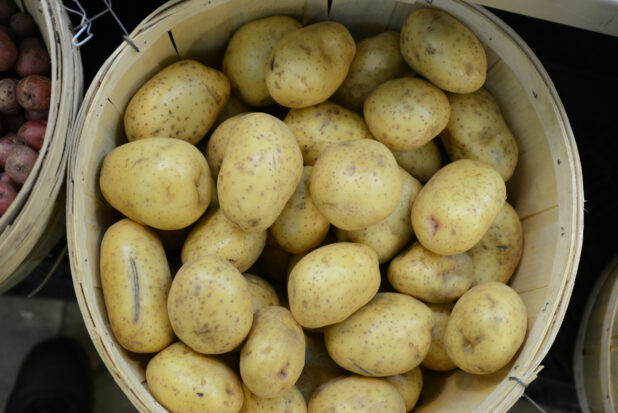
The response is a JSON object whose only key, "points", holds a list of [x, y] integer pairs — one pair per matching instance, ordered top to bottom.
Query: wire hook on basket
{"points": [[525, 386]]}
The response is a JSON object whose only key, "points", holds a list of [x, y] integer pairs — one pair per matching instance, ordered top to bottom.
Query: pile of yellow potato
{"points": [[324, 257]]}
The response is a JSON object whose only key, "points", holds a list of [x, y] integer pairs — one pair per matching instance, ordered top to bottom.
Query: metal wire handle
{"points": [[525, 386]]}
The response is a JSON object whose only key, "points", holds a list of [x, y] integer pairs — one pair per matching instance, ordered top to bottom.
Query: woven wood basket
{"points": [[546, 189], [33, 223]]}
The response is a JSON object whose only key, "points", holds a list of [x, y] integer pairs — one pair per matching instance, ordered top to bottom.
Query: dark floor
{"points": [[584, 69]]}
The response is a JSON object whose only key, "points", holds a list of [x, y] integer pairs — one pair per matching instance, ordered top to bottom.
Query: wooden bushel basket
{"points": [[546, 189], [35, 221]]}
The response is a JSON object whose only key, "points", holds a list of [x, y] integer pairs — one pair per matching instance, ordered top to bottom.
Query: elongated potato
{"points": [[422, 163], [135, 279], [262, 293], [273, 356], [437, 359], [185, 381], [409, 385], [290, 401]]}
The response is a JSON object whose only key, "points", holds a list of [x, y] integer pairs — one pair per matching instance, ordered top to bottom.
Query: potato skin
{"points": [[444, 51], [8, 52], [377, 59], [245, 62], [308, 65], [34, 92], [192, 92], [8, 97], [406, 113], [317, 127], [478, 131], [217, 144], [422, 163], [262, 172], [160, 182], [356, 183], [457, 206], [217, 235], [497, 254], [431, 277], [135, 278], [330, 283], [262, 293], [209, 305], [486, 328], [390, 335], [273, 356], [436, 358], [319, 367], [185, 381], [409, 385], [357, 394], [291, 401]]}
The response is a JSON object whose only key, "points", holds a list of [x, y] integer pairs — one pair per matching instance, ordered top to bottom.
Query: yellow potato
{"points": [[444, 51], [246, 58], [377, 60], [308, 65], [182, 101], [406, 113], [317, 127], [478, 131], [217, 144], [421, 162], [260, 174], [161, 182], [355, 184], [457, 206], [300, 227], [217, 235], [390, 235], [497, 254], [431, 277], [135, 279], [330, 283], [262, 293], [214, 319], [486, 328], [390, 335], [273, 356], [436, 358], [319, 367], [185, 381], [409, 385], [356, 394], [291, 401]]}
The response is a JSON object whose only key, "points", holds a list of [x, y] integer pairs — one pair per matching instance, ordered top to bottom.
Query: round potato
{"points": [[444, 51], [246, 58], [377, 59], [308, 65], [182, 101], [406, 113], [317, 127], [478, 131], [217, 144], [422, 163], [262, 172], [161, 182], [355, 184], [457, 206], [300, 227], [215, 234], [390, 235], [497, 254], [431, 277], [135, 279], [332, 282], [262, 293], [214, 319], [486, 328], [390, 335], [273, 356], [436, 358], [319, 367], [185, 381], [409, 385], [357, 394], [291, 401]]}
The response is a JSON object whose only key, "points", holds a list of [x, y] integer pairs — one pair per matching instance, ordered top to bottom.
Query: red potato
{"points": [[7, 9], [22, 24], [8, 31], [8, 52], [32, 61], [34, 92], [8, 96], [36, 114], [0, 124], [33, 132], [7, 143], [20, 162], [4, 177], [7, 196]]}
